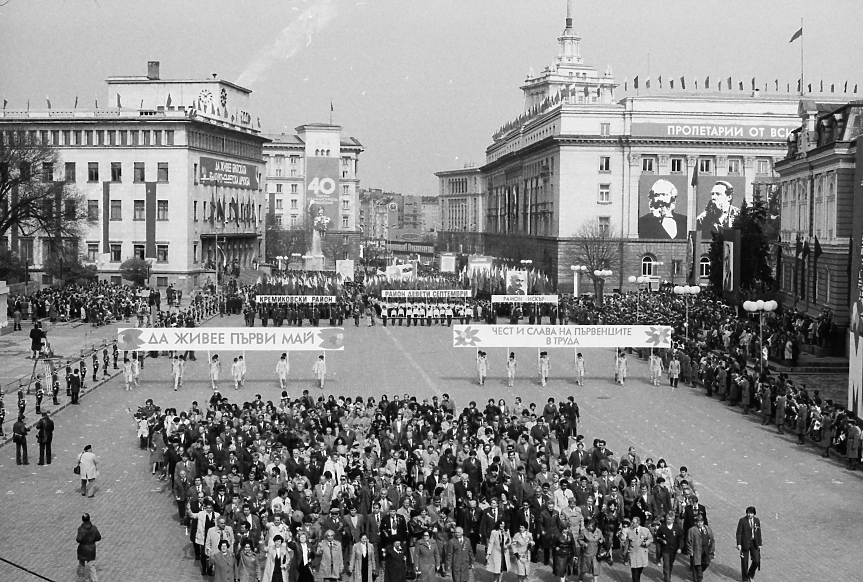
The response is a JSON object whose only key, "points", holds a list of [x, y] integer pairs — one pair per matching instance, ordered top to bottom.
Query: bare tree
{"points": [[31, 200], [285, 242], [597, 246], [334, 248]]}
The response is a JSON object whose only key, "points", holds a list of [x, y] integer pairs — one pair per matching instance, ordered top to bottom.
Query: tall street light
{"points": [[577, 272], [600, 275], [640, 280], [686, 291], [760, 307]]}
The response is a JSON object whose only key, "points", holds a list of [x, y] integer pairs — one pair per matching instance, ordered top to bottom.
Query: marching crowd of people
{"points": [[274, 491]]}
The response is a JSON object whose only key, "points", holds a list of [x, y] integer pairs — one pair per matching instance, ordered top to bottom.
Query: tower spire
{"points": [[569, 14]]}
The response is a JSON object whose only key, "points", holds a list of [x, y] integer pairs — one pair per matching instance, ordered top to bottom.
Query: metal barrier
{"points": [[27, 382]]}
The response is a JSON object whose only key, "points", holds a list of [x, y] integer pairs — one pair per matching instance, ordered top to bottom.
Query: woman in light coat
{"points": [[522, 541], [636, 547], [497, 551], [278, 561], [356, 571]]}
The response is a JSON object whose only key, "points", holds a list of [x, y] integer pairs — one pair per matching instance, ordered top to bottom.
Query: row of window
{"points": [[89, 137], [223, 145], [649, 164], [346, 189], [346, 204], [139, 211], [295, 219], [116, 252], [650, 267]]}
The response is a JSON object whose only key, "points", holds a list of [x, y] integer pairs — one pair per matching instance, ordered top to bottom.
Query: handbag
{"points": [[77, 469]]}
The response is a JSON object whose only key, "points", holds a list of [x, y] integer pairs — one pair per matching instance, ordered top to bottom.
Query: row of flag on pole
{"points": [[729, 83], [197, 105], [239, 211], [802, 253], [311, 283]]}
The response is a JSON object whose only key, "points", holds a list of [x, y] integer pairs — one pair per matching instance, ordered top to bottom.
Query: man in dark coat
{"points": [[75, 384], [45, 436], [19, 437], [550, 527], [88, 535], [669, 539], [749, 544], [458, 558], [396, 570]]}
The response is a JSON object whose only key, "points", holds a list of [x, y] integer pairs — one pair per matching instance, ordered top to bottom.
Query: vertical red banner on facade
{"points": [[322, 193], [150, 209], [106, 216]]}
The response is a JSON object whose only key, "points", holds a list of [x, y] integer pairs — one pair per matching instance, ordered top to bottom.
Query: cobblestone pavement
{"points": [[804, 501]]}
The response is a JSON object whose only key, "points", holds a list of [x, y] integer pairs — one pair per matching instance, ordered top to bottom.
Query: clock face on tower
{"points": [[205, 97], [224, 97]]}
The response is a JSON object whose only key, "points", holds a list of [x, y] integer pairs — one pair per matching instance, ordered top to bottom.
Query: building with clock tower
{"points": [[171, 170]]}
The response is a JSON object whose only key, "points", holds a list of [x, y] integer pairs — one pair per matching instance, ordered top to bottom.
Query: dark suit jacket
{"points": [[651, 227], [401, 527], [372, 528], [745, 538], [670, 540]]}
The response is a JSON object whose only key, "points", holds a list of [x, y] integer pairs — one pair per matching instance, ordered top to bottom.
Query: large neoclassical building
{"points": [[580, 153]]}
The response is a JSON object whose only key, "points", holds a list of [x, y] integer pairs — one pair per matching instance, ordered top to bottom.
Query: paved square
{"points": [[808, 506]]}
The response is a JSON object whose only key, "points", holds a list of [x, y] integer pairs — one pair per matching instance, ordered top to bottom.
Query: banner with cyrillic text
{"points": [[425, 293], [295, 298], [524, 298], [561, 336], [232, 339]]}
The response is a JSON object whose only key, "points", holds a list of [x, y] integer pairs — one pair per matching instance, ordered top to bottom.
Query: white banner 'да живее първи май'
{"points": [[231, 338]]}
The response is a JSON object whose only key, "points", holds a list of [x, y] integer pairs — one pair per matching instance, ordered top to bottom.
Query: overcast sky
{"points": [[422, 84]]}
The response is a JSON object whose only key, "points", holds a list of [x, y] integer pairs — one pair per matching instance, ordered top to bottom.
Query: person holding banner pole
{"points": [[654, 364], [283, 367]]}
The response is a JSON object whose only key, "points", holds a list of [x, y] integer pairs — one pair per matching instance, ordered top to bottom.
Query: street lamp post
{"points": [[577, 271], [601, 275], [640, 280], [686, 291], [760, 307]]}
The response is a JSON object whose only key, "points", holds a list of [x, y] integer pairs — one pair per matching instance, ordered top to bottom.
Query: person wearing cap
{"points": [[88, 463], [87, 536], [700, 546], [330, 550]]}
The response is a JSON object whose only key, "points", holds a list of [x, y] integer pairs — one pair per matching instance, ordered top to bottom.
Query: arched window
{"points": [[317, 152], [328, 152], [647, 264], [704, 268]]}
